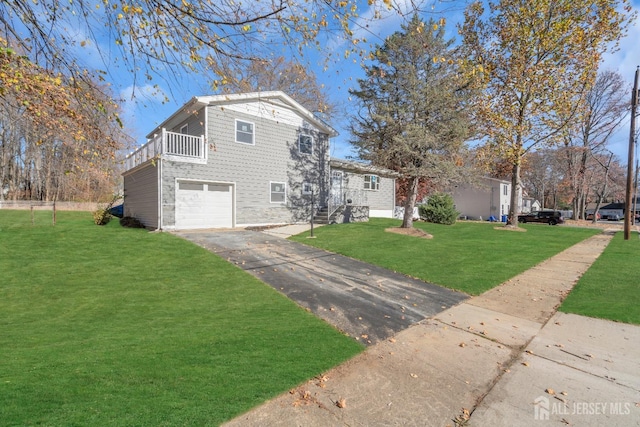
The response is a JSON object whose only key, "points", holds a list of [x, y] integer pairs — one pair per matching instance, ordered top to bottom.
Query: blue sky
{"points": [[148, 109]]}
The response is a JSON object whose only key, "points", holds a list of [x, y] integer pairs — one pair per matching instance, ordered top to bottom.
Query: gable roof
{"points": [[275, 97]]}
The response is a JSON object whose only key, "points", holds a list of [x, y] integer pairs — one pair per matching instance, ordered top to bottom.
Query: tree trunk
{"points": [[410, 202], [512, 219]]}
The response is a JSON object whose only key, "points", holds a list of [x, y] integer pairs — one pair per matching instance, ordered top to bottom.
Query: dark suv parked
{"points": [[547, 217]]}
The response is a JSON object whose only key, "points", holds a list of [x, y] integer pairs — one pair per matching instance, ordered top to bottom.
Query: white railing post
{"points": [[163, 141]]}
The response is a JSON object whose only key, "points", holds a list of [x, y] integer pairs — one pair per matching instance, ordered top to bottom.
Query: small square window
{"points": [[184, 129], [244, 132], [305, 144], [371, 182], [306, 188], [278, 191]]}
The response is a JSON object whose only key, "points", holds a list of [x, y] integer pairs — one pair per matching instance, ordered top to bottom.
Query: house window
{"points": [[184, 129], [244, 132], [305, 144], [371, 182], [191, 186], [306, 188], [504, 190], [278, 192]]}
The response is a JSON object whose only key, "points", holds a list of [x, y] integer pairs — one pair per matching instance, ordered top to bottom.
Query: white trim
{"points": [[268, 96], [186, 129], [253, 132], [205, 134], [304, 135], [304, 184], [374, 184], [284, 202], [160, 206], [380, 213]]}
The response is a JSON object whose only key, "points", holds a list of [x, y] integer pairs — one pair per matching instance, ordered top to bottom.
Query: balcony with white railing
{"points": [[172, 146]]}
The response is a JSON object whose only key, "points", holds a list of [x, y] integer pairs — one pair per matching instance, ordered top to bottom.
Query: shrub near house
{"points": [[439, 210]]}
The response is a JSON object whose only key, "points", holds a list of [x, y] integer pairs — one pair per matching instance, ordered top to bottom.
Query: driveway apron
{"points": [[364, 301]]}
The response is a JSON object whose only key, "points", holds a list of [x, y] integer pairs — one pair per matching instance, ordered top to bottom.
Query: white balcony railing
{"points": [[171, 146]]}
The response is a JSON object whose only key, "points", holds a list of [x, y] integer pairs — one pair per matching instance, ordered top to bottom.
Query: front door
{"points": [[336, 196]]}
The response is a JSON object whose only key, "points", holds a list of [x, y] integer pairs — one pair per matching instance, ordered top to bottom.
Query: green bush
{"points": [[439, 210]]}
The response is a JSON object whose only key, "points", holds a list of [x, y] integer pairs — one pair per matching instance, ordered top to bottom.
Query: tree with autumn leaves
{"points": [[158, 39], [227, 41], [538, 60], [58, 136]]}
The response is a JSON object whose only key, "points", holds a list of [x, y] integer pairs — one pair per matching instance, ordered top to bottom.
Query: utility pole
{"points": [[632, 135]]}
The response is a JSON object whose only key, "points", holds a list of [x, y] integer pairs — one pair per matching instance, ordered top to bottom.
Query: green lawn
{"points": [[468, 256], [610, 288], [115, 327]]}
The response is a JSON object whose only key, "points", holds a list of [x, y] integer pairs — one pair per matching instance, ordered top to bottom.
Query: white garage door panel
{"points": [[204, 205]]}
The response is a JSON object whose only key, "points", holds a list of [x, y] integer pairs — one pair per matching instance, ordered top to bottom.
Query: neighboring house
{"points": [[258, 158], [359, 184], [490, 197], [529, 204], [612, 209]]}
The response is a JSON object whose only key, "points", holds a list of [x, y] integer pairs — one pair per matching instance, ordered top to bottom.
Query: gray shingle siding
{"points": [[195, 123], [273, 158], [141, 194], [381, 199]]}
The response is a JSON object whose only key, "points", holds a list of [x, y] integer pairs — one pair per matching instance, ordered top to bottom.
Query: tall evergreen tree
{"points": [[414, 116]]}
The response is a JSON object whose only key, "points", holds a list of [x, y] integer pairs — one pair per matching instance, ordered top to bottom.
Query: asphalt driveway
{"points": [[364, 301]]}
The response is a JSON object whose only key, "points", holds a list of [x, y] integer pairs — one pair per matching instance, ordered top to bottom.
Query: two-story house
{"points": [[257, 158], [489, 197]]}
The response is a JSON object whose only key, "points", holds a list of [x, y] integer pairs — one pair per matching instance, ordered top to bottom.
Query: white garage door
{"points": [[203, 205]]}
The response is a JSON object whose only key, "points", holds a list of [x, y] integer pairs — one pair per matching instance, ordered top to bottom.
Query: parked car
{"points": [[598, 216], [547, 217], [614, 217]]}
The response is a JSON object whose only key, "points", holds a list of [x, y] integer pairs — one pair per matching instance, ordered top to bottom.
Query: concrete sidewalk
{"points": [[290, 230], [504, 358]]}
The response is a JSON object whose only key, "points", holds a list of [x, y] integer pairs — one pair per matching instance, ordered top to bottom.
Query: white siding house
{"points": [[490, 197]]}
